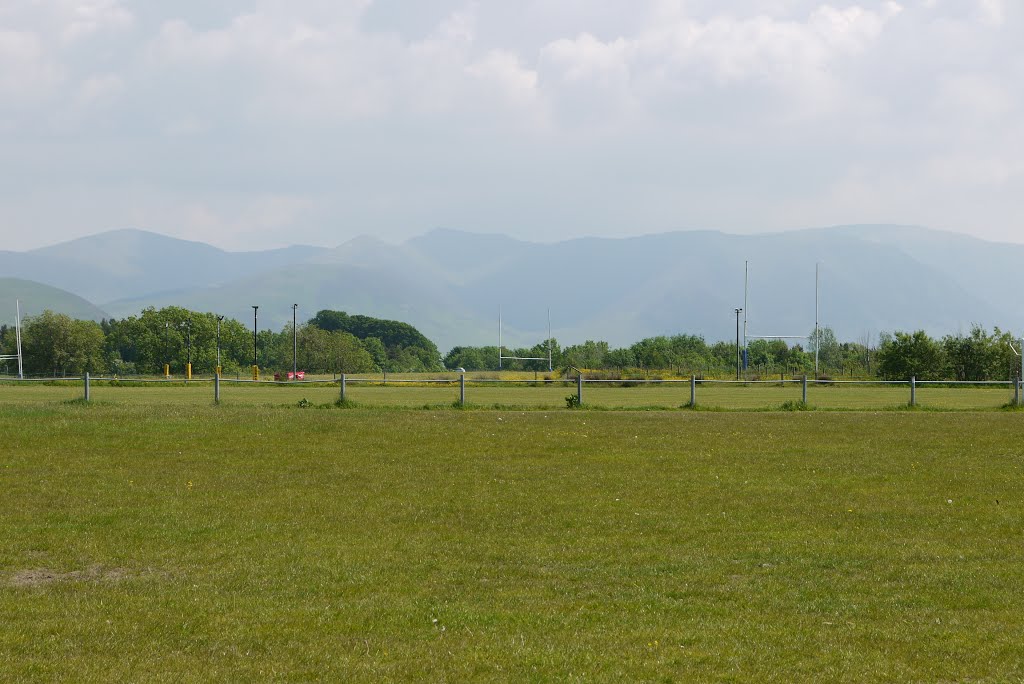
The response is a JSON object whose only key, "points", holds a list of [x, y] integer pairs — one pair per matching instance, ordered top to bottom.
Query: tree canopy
{"points": [[336, 342], [406, 348]]}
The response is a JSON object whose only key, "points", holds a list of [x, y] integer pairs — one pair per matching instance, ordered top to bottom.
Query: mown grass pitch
{"points": [[550, 397], [188, 542]]}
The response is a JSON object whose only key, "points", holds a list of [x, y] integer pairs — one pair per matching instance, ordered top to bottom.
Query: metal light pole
{"points": [[738, 312], [219, 319], [187, 326], [817, 332], [295, 346], [167, 352], [255, 365]]}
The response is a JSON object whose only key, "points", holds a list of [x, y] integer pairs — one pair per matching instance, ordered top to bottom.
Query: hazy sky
{"points": [[270, 122]]}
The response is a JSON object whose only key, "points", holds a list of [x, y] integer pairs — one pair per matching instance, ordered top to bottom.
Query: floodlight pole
{"points": [[746, 291], [738, 312], [187, 325], [817, 336], [499, 337], [295, 345], [550, 368]]}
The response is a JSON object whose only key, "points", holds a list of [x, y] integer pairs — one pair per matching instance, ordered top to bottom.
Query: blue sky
{"points": [[264, 123]]}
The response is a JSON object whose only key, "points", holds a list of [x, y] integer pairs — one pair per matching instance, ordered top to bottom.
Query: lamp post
{"points": [[738, 312], [219, 319], [187, 325], [295, 346], [167, 358], [255, 366]]}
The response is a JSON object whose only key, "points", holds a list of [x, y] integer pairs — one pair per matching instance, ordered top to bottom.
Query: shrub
{"points": [[794, 405]]}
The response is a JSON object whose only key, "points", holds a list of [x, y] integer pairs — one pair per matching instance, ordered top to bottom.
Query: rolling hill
{"points": [[136, 263], [450, 284], [36, 298]]}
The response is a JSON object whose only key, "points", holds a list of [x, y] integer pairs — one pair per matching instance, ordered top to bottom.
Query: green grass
{"points": [[550, 397], [173, 540]]}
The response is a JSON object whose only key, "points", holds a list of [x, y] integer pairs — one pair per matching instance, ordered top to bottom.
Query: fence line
{"points": [[494, 381], [462, 382]]}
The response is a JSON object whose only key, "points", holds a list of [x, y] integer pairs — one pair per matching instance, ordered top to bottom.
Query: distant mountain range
{"points": [[450, 284], [35, 298]]}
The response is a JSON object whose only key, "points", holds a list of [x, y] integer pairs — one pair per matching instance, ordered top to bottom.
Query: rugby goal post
{"points": [[815, 336], [17, 337], [501, 352]]}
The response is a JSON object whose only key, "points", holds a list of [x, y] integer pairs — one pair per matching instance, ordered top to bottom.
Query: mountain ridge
{"points": [[450, 283], [34, 298]]}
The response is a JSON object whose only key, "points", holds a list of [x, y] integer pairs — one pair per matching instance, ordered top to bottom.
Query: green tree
{"points": [[170, 335], [824, 342], [56, 344], [375, 348], [407, 348], [319, 351], [540, 351], [653, 352], [688, 353], [590, 354], [905, 355], [980, 355], [722, 356], [770, 356], [970, 357], [472, 358], [620, 359], [1005, 361]]}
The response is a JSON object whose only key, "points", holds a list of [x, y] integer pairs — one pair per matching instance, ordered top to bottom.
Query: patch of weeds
{"points": [[572, 401], [304, 403], [345, 404], [794, 405], [1012, 406], [918, 407], [647, 408]]}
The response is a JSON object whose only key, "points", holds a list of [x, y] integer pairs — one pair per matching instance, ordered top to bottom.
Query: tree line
{"points": [[337, 342], [55, 345], [679, 354], [978, 355]]}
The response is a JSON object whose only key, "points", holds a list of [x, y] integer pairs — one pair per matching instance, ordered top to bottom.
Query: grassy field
{"points": [[550, 397], [173, 540]]}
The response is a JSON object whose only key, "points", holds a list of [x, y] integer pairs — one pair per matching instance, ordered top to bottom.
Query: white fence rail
{"points": [[578, 383]]}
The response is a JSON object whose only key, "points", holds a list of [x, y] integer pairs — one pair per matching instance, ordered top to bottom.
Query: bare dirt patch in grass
{"points": [[41, 577]]}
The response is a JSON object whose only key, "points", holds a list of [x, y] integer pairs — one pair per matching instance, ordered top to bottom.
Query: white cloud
{"points": [[994, 11], [83, 18], [505, 73], [28, 74], [100, 88], [567, 116], [239, 222]]}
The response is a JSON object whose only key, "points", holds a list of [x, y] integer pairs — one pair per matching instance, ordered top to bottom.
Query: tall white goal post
{"points": [[746, 307], [17, 337], [501, 352]]}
